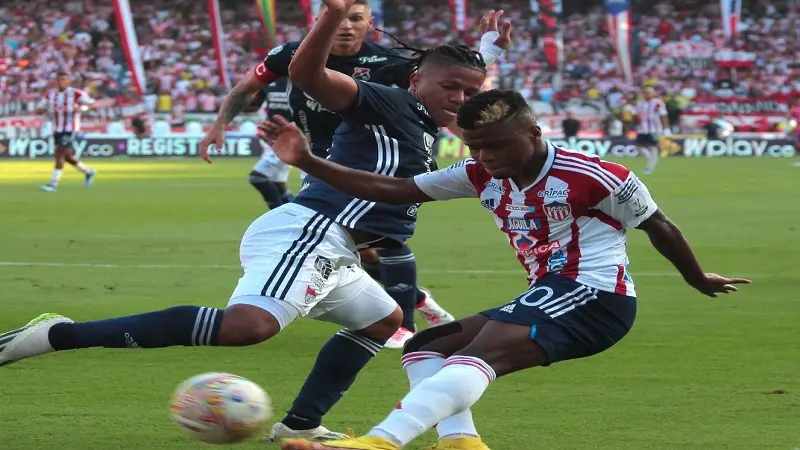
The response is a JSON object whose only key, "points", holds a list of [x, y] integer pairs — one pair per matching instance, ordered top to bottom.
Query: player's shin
{"points": [[398, 270], [179, 325], [337, 365], [422, 365], [460, 382]]}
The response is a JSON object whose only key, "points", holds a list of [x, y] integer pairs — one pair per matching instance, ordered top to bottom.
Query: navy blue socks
{"points": [[399, 278], [180, 325], [336, 368]]}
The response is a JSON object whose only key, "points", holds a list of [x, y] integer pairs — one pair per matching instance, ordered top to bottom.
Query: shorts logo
{"points": [[557, 211], [311, 294]]}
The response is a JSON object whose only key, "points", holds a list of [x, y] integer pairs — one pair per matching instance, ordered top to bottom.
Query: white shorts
{"points": [[271, 166], [308, 265]]}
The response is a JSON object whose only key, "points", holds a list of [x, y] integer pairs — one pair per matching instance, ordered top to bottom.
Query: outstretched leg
{"points": [[370, 317]]}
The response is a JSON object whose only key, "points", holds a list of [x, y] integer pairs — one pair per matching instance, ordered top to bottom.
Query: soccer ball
{"points": [[220, 408]]}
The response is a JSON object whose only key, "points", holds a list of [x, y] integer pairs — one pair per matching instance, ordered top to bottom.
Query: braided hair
{"points": [[453, 54], [492, 106]]}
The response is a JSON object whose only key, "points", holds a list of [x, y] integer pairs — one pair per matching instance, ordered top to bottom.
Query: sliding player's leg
{"points": [[269, 296], [369, 317]]}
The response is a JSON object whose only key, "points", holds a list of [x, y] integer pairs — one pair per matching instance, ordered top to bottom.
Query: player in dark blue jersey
{"points": [[351, 55], [270, 175]]}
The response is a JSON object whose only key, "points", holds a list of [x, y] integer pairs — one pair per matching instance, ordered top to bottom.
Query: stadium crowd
{"points": [[675, 47]]}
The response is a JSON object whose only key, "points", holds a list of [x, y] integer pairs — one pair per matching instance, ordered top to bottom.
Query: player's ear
{"points": [[371, 21], [413, 81]]}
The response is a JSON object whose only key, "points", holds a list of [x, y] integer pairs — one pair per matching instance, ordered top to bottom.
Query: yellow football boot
{"points": [[359, 443], [467, 443]]}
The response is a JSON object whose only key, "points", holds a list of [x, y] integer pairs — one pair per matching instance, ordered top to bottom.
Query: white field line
{"points": [[518, 272]]}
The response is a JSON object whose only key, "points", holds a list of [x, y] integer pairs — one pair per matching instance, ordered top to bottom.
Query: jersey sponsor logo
{"points": [[275, 50], [372, 59], [361, 73], [420, 107], [428, 139], [493, 185], [628, 189], [552, 192], [520, 208], [558, 211], [522, 224], [522, 244], [557, 261]]}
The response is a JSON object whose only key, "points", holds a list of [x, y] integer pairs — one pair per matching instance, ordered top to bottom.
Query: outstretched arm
{"points": [[333, 90], [630, 203]]}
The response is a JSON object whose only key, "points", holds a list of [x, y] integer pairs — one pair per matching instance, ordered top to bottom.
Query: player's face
{"points": [[353, 28], [62, 82], [443, 90], [505, 149]]}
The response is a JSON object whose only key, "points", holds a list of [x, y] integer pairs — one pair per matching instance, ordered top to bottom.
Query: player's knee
{"points": [[245, 325], [383, 329], [428, 340]]}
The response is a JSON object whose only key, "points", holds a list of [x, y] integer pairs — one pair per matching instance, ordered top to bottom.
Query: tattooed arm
{"points": [[238, 99]]}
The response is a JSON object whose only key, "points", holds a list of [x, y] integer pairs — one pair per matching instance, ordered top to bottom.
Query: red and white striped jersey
{"points": [[62, 107], [650, 113], [570, 221]]}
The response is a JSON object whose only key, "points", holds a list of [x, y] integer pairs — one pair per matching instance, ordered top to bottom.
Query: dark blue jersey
{"points": [[276, 95], [318, 123], [389, 132]]}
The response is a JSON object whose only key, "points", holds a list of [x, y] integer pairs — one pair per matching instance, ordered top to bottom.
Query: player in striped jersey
{"points": [[64, 105], [651, 115], [565, 215]]}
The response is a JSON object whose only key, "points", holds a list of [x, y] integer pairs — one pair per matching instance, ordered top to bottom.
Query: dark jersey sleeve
{"points": [[276, 63], [376, 103]]}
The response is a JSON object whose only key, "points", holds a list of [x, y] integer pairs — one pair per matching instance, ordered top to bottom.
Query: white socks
{"points": [[651, 155], [82, 167], [56, 177], [459, 383]]}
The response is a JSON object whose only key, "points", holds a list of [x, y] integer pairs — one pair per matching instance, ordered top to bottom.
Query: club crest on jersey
{"points": [[275, 50], [361, 73], [558, 211]]}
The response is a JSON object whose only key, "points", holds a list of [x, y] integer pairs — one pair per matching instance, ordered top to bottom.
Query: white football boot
{"points": [[431, 311], [399, 338], [29, 341], [319, 434]]}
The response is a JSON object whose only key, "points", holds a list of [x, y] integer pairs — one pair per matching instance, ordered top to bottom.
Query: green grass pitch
{"points": [[694, 373]]}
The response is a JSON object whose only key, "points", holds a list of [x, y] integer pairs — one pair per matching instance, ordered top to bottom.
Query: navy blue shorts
{"points": [[63, 139], [647, 140], [567, 319]]}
